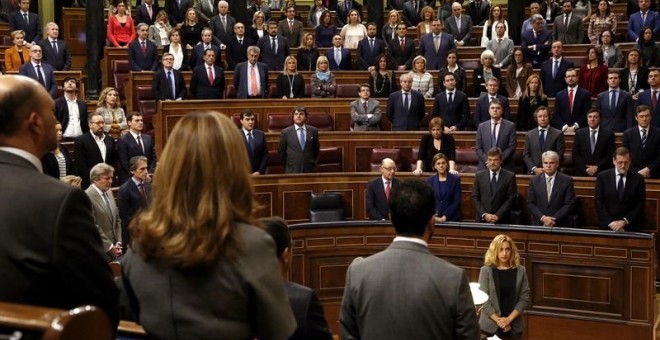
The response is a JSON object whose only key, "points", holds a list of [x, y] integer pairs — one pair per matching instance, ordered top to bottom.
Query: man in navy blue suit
{"points": [[344, 8], [146, 12], [645, 17], [27, 21], [535, 43], [435, 46], [274, 48], [369, 48], [402, 49], [55, 51], [236, 51], [142, 54], [197, 57], [339, 57], [553, 71], [41, 72], [208, 79], [244, 82], [168, 83], [651, 97], [452, 105], [571, 105], [615, 105], [405, 108], [481, 113], [496, 133], [255, 141], [643, 141], [135, 143], [378, 192], [133, 195]]}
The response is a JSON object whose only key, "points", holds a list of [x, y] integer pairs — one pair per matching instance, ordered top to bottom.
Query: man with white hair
{"points": [[551, 197]]}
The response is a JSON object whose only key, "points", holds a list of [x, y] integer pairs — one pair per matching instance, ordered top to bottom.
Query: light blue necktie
{"points": [[301, 137]]}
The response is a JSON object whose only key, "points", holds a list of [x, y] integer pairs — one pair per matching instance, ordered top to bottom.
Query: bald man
{"points": [[378, 191]]}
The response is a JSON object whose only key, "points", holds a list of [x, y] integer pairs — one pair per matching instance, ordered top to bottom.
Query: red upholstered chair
{"points": [[7, 41], [120, 73], [308, 90], [347, 90], [272, 91], [230, 92], [147, 107], [321, 121], [278, 122], [377, 156], [413, 158], [330, 160], [466, 160], [274, 165]]}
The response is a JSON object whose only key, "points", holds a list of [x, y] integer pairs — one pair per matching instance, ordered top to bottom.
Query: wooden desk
{"points": [[584, 284]]}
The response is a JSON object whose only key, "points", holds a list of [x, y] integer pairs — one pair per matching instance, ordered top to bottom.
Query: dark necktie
{"points": [[25, 17], [566, 22], [54, 42], [371, 43], [273, 45], [144, 48], [556, 68], [40, 76], [169, 81], [451, 99], [654, 99], [613, 101], [406, 104], [365, 106], [493, 136], [542, 138], [643, 138], [593, 140], [139, 142], [250, 143], [493, 183], [620, 187], [388, 189], [143, 194], [107, 202]]}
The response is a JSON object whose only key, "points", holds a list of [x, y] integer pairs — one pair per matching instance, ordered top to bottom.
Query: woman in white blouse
{"points": [[496, 16], [353, 31], [159, 32], [177, 49], [422, 80]]}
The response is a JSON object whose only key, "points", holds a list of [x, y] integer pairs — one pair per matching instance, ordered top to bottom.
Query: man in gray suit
{"points": [[459, 25], [568, 27], [365, 112], [496, 133], [541, 139], [299, 144], [494, 191], [551, 198], [104, 209], [50, 252], [378, 288]]}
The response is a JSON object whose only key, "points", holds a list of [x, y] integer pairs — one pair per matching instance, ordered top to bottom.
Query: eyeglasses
{"points": [[391, 168]]}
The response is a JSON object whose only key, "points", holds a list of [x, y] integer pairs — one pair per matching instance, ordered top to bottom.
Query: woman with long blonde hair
{"points": [[113, 115], [198, 266]]}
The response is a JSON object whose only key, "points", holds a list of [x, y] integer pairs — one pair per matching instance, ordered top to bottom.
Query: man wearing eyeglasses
{"points": [[379, 190]]}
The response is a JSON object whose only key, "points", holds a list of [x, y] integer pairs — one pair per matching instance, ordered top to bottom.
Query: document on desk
{"points": [[494, 337]]}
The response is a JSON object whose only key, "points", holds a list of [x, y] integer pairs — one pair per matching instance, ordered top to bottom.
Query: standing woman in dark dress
{"points": [[191, 30], [325, 30], [649, 49], [307, 53], [453, 67], [634, 77], [381, 78], [290, 84], [532, 98], [435, 142], [57, 163], [446, 189], [505, 281]]}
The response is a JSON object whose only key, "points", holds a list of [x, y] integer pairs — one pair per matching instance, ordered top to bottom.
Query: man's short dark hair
{"points": [[371, 23], [207, 51], [444, 76], [69, 78], [496, 102], [642, 108], [299, 109], [592, 111], [246, 113], [129, 117], [494, 152], [412, 204], [277, 228]]}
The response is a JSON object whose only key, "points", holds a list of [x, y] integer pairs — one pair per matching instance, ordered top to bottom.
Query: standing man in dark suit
{"points": [[258, 6], [176, 9], [412, 10], [478, 10], [342, 11], [146, 12], [645, 17], [26, 21], [222, 25], [459, 25], [290, 27], [568, 27], [535, 43], [435, 46], [274, 48], [369, 48], [402, 49], [55, 51], [236, 51], [142, 53], [197, 57], [339, 57], [553, 70], [39, 71], [251, 77], [208, 80], [168, 83], [651, 97], [615, 104], [451, 105], [571, 105], [405, 108], [70, 111], [365, 112], [481, 113], [496, 133], [541, 139], [643, 141], [255, 142], [135, 143], [299, 144], [592, 146], [93, 148], [494, 190], [379, 191], [133, 195], [620, 195], [551, 197], [104, 210], [44, 220], [379, 288], [305, 303]]}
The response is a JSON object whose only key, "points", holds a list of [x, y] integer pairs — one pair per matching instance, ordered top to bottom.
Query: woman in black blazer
{"points": [[178, 49], [452, 66], [485, 72], [634, 76], [57, 163]]}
